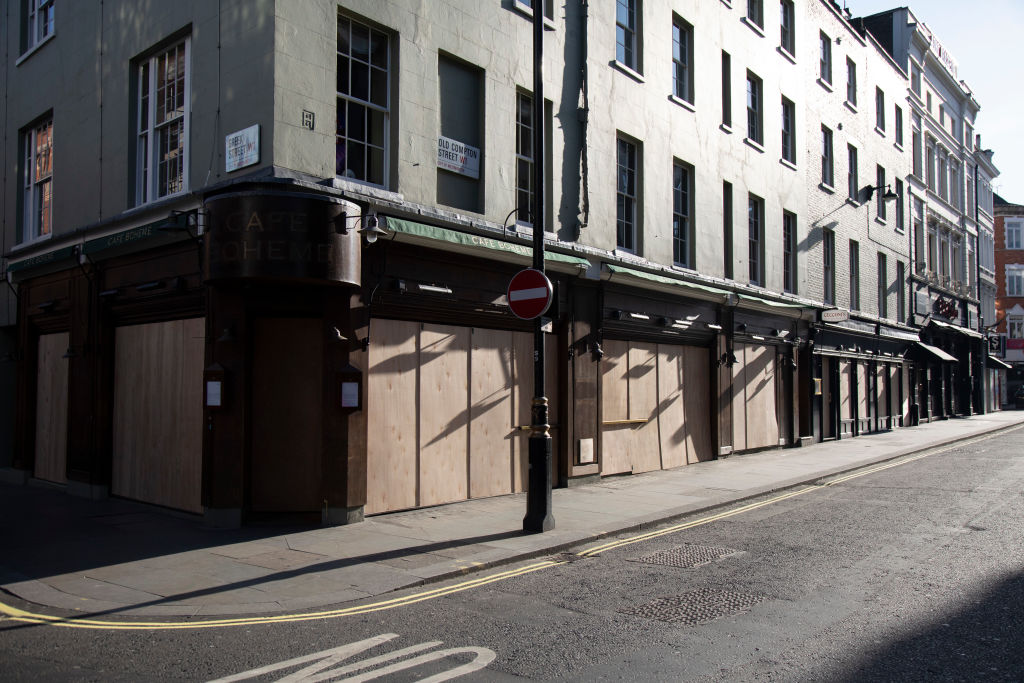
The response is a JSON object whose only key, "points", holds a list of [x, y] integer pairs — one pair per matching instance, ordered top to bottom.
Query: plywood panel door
{"points": [[845, 387], [864, 391], [739, 398], [697, 402], [52, 408], [671, 410], [287, 411], [158, 413], [444, 414], [492, 414], [762, 414], [615, 438], [392, 447], [644, 451]]}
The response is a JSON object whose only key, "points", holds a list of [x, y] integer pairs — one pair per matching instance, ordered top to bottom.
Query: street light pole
{"points": [[538, 495]]}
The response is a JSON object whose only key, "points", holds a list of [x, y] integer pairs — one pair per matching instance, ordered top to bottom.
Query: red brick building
{"points": [[1009, 262]]}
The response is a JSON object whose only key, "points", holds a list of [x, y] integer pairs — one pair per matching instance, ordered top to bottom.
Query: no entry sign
{"points": [[529, 294]]}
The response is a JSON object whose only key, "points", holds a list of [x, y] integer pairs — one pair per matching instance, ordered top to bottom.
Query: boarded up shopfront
{"points": [[444, 406], [655, 406], [158, 413]]}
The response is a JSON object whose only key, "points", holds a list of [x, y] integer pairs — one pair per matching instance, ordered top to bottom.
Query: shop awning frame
{"points": [[471, 243], [935, 352], [994, 363]]}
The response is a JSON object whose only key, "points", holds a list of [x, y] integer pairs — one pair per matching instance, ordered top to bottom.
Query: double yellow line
{"points": [[16, 615]]}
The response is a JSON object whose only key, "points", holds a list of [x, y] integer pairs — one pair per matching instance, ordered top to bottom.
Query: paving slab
{"points": [[117, 557]]}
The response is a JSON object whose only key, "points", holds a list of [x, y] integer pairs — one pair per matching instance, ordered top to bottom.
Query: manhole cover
{"points": [[687, 556], [696, 607]]}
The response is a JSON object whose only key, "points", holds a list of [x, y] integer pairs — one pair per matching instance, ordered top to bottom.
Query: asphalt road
{"points": [[913, 572]]}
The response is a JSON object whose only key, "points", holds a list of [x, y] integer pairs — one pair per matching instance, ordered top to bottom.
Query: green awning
{"points": [[140, 237], [473, 242], [62, 254], [661, 279], [769, 302]]}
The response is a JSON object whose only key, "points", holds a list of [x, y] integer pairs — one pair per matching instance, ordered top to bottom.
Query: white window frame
{"points": [[755, 12], [39, 22], [787, 27], [627, 49], [825, 58], [682, 59], [370, 106], [755, 108], [525, 130], [788, 130], [151, 134], [37, 181], [627, 194], [682, 214], [1014, 233], [755, 240], [1015, 280], [1015, 327]]}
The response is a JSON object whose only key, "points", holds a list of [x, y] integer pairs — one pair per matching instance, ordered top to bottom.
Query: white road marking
{"points": [[320, 669]]}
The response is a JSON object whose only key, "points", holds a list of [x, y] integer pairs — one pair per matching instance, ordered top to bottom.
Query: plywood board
{"points": [[522, 364], [882, 381], [907, 389], [863, 392], [739, 398], [845, 403], [697, 404], [827, 407], [52, 408], [671, 411], [444, 414], [762, 414], [287, 415], [157, 420], [615, 439], [492, 440], [392, 445], [644, 452]]}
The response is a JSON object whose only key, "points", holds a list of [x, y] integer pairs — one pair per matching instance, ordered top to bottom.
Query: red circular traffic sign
{"points": [[529, 294]]}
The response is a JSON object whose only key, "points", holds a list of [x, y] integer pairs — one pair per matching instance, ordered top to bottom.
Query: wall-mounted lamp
{"points": [[888, 196], [513, 212], [191, 222], [370, 229], [433, 289], [615, 314], [639, 316], [662, 321], [714, 327], [742, 327], [227, 336], [596, 351], [728, 359]]}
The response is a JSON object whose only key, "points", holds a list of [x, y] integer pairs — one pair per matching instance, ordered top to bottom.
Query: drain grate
{"points": [[687, 556], [696, 607]]}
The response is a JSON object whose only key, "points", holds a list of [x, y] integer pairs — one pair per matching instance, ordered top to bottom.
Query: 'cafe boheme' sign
{"points": [[458, 157]]}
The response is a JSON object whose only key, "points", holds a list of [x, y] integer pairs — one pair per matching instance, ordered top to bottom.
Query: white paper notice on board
{"points": [[242, 148], [458, 157], [350, 394], [213, 395]]}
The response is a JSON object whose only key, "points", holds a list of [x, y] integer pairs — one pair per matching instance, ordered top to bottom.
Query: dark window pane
{"points": [[344, 27], [360, 42], [379, 49], [360, 81], [343, 84], [379, 87], [356, 121], [377, 121], [356, 166], [376, 166]]}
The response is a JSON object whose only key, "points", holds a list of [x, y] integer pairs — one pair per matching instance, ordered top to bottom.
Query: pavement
{"points": [[116, 557]]}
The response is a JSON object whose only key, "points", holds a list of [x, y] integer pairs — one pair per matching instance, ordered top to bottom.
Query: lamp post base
{"points": [[538, 494]]}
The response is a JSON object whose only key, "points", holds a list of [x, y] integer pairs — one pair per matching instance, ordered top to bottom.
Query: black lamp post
{"points": [[538, 495]]}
